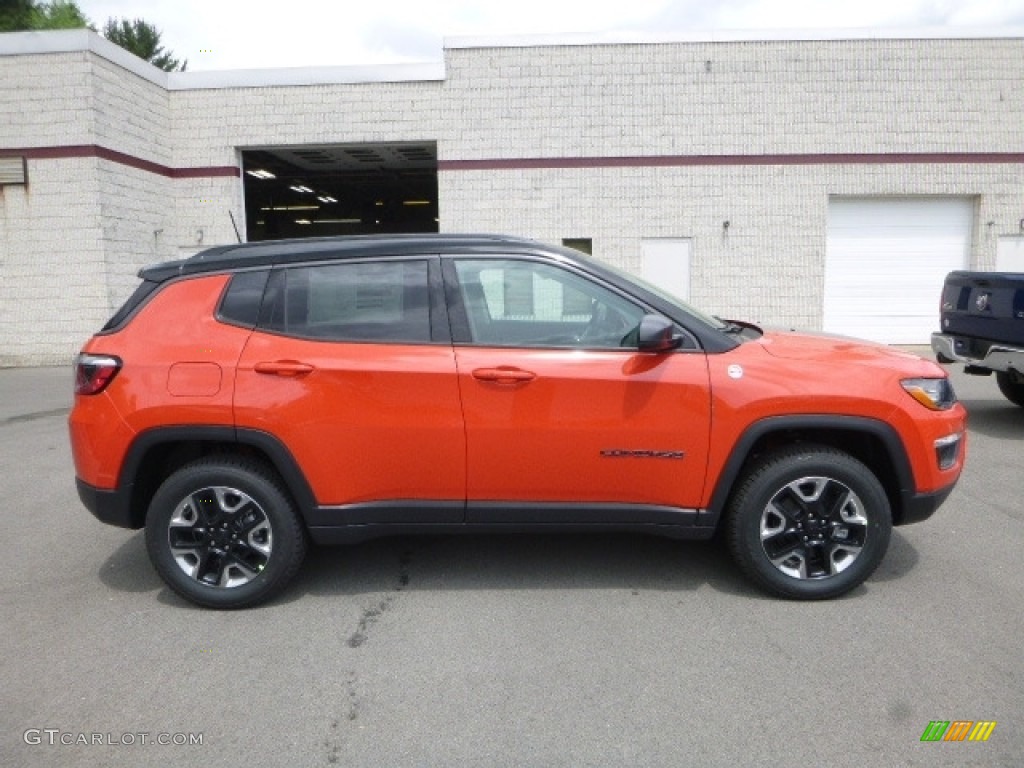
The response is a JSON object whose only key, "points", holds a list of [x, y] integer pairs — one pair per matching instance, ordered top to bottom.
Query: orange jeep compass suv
{"points": [[254, 398]]}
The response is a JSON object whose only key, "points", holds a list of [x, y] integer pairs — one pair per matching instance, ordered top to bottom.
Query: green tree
{"points": [[60, 14], [16, 15], [19, 15], [135, 35], [142, 39]]}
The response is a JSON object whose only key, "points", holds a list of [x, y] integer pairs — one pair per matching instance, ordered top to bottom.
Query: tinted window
{"points": [[386, 301], [241, 303], [524, 303]]}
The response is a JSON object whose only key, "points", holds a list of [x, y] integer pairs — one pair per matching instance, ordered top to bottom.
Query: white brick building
{"points": [[825, 183]]}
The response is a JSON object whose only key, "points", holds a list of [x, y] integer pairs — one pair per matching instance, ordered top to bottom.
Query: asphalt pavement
{"points": [[602, 650]]}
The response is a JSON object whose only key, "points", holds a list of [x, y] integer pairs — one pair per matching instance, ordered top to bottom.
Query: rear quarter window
{"points": [[242, 299]]}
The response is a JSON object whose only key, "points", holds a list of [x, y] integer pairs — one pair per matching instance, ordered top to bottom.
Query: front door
{"points": [[563, 414]]}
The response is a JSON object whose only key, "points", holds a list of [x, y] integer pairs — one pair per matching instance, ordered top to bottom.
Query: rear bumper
{"points": [[961, 349], [921, 506], [112, 507]]}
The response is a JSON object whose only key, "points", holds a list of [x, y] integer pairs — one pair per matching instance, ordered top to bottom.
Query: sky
{"points": [[255, 34]]}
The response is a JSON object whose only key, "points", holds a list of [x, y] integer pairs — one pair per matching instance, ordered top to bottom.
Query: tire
{"points": [[1011, 384], [808, 522], [223, 533]]}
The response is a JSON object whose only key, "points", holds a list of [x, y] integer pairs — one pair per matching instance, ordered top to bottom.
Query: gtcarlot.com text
{"points": [[57, 737]]}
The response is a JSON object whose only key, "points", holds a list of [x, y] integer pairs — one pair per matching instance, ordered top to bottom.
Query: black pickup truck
{"points": [[982, 317]]}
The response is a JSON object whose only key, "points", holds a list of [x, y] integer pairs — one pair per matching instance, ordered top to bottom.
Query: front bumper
{"points": [[961, 349], [921, 506]]}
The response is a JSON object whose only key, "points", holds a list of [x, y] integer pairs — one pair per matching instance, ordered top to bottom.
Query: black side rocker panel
{"points": [[358, 522]]}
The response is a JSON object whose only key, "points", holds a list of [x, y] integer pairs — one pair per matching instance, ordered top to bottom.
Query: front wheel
{"points": [[1011, 384], [808, 522], [223, 533]]}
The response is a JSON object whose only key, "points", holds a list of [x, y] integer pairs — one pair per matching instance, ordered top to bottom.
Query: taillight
{"points": [[94, 372]]}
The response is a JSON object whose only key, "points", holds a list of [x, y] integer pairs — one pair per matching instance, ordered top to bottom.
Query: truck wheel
{"points": [[1011, 384], [808, 522], [223, 533]]}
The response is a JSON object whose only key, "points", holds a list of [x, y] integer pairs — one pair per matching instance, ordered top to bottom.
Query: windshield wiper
{"points": [[728, 326]]}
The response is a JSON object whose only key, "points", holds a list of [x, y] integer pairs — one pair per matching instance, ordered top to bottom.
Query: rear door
{"points": [[352, 367], [565, 420]]}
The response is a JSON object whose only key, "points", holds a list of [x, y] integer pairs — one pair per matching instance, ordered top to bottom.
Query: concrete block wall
{"points": [[736, 98], [46, 100], [702, 100], [131, 114], [210, 125], [201, 215], [74, 238], [768, 265], [53, 291]]}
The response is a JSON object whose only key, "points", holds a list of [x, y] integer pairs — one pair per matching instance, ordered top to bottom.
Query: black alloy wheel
{"points": [[809, 522], [223, 533]]}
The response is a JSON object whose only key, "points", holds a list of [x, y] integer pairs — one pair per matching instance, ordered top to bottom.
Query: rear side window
{"points": [[145, 289], [383, 301], [241, 302]]}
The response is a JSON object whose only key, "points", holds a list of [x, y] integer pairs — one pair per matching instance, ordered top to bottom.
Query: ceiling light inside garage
{"points": [[261, 173], [301, 188]]}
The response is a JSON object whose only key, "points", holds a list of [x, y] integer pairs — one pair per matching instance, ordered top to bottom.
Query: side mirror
{"points": [[657, 334]]}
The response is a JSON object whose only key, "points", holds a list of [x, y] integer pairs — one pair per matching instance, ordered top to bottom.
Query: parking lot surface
{"points": [[601, 650]]}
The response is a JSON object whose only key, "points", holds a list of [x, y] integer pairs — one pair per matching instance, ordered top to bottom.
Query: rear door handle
{"points": [[283, 368], [504, 375]]}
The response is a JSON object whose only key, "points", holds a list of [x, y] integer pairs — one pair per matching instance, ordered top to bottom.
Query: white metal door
{"points": [[1010, 254], [886, 259], [666, 264]]}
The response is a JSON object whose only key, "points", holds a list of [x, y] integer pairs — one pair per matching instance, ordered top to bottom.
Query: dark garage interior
{"points": [[341, 189]]}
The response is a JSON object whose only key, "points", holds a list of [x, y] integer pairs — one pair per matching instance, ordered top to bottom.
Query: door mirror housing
{"points": [[657, 334]]}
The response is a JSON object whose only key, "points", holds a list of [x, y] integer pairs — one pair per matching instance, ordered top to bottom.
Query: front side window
{"points": [[382, 301], [511, 302]]}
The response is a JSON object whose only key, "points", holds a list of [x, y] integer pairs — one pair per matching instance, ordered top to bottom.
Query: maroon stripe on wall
{"points": [[95, 150], [647, 161]]}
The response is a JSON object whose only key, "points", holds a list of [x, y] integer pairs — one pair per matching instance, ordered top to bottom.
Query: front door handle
{"points": [[283, 368], [504, 374]]}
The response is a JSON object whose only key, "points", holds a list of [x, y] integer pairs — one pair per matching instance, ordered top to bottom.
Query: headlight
{"points": [[935, 394]]}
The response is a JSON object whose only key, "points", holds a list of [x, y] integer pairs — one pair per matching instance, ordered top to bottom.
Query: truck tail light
{"points": [[94, 372]]}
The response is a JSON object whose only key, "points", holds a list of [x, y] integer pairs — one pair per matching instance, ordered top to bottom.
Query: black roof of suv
{"points": [[270, 252]]}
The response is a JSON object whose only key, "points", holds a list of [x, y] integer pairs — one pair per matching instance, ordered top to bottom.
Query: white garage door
{"points": [[885, 263]]}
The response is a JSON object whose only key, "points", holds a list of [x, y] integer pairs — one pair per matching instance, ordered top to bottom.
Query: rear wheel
{"points": [[1011, 384], [808, 522], [223, 533]]}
